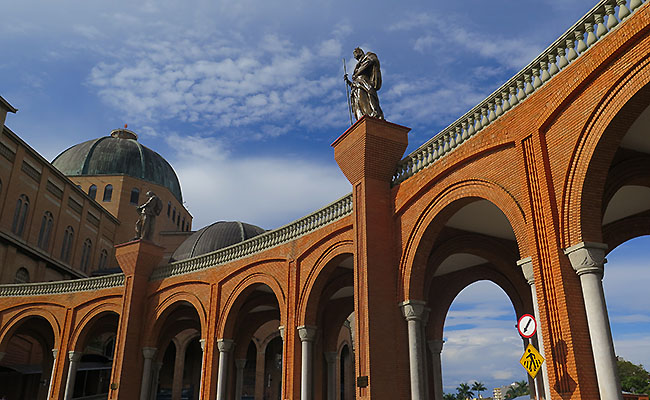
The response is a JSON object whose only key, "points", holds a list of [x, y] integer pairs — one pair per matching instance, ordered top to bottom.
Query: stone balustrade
{"points": [[600, 20], [276, 237], [75, 285]]}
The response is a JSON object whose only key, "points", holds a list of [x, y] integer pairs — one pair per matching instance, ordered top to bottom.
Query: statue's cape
{"points": [[375, 75]]}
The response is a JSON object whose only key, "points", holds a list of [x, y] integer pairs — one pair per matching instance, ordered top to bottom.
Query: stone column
{"points": [[588, 260], [414, 311], [281, 329], [307, 335], [202, 343], [224, 346], [435, 346], [55, 352], [148, 353], [2, 355], [74, 357], [330, 359], [239, 382], [544, 386], [153, 393]]}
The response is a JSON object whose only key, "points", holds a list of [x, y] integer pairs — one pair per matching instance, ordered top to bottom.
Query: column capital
{"points": [[587, 257], [526, 265], [415, 310], [281, 329], [307, 333], [202, 343], [224, 345], [435, 345], [55, 352], [149, 352], [75, 356], [331, 356], [240, 363]]}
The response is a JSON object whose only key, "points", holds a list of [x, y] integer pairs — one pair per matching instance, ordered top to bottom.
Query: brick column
{"points": [[368, 154], [136, 259], [588, 259]]}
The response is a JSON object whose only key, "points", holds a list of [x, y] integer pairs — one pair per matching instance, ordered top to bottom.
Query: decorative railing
{"points": [[568, 47], [328, 214], [75, 285]]}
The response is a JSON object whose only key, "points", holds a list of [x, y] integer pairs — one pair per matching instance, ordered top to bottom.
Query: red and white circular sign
{"points": [[527, 326]]}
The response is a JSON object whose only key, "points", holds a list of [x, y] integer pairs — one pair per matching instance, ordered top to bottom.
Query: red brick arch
{"points": [[599, 138], [440, 207], [318, 278], [447, 289], [167, 305], [228, 315], [85, 323], [8, 329]]}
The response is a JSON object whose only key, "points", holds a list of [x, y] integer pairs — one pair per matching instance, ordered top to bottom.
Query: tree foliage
{"points": [[634, 378], [519, 388]]}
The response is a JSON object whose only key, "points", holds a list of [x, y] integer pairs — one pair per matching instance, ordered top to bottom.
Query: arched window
{"points": [[92, 191], [108, 192], [135, 195], [169, 208], [20, 215], [174, 215], [178, 221], [183, 224], [46, 228], [68, 237], [85, 254], [103, 257], [22, 276], [109, 348]]}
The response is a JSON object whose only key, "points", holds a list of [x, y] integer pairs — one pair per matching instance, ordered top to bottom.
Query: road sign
{"points": [[527, 325], [531, 360]]}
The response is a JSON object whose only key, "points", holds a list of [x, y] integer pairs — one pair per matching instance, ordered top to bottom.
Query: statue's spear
{"points": [[347, 92]]}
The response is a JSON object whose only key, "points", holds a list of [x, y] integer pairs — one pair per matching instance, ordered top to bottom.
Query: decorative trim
{"points": [[576, 41], [326, 215], [50, 288]]}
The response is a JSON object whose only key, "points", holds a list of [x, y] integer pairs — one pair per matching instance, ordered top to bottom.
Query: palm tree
{"points": [[478, 387], [464, 391], [449, 396]]}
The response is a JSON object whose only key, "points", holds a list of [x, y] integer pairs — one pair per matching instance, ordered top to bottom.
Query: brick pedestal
{"points": [[368, 153], [137, 259]]}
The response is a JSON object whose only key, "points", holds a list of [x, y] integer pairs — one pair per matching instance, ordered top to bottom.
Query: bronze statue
{"points": [[366, 81], [148, 211]]}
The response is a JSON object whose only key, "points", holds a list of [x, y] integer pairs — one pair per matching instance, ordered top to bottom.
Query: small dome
{"points": [[119, 154], [214, 237]]}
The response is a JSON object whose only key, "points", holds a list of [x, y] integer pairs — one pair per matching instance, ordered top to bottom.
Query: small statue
{"points": [[366, 81], [148, 211]]}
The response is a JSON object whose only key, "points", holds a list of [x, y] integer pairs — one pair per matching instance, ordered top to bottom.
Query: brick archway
{"points": [[585, 181], [440, 208], [166, 306], [14, 323], [85, 323]]}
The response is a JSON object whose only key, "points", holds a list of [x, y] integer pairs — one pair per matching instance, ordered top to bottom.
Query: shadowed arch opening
{"points": [[27, 359]]}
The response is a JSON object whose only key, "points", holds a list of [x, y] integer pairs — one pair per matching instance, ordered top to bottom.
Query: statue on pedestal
{"points": [[366, 81], [148, 211]]}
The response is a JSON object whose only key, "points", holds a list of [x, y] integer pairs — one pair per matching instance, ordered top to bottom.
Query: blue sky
{"points": [[244, 98]]}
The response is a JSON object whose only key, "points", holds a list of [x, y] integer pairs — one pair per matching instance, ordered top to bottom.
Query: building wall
{"points": [[25, 175], [121, 207]]}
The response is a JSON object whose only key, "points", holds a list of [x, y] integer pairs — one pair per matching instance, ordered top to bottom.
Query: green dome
{"points": [[119, 154]]}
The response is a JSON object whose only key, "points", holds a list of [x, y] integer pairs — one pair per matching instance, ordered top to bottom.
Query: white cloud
{"points": [[265, 191]]}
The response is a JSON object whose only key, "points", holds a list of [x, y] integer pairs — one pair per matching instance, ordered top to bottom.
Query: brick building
{"points": [[530, 189]]}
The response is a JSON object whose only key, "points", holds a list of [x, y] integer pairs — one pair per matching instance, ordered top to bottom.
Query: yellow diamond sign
{"points": [[532, 360]]}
